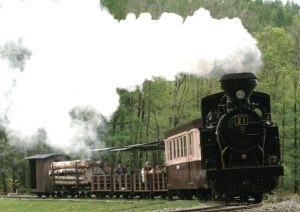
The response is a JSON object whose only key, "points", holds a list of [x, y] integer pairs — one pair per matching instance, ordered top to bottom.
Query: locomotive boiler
{"points": [[240, 143]]}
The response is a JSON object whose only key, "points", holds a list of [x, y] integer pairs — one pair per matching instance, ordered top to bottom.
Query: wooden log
{"points": [[71, 164], [66, 171], [85, 177], [70, 178], [70, 182]]}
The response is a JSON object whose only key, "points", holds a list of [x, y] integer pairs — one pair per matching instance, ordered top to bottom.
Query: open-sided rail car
{"points": [[131, 184]]}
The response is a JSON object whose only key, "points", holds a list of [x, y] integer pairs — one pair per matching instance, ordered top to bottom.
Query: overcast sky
{"points": [[295, 1]]}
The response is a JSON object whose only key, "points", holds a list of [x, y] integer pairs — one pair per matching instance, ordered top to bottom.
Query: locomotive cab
{"points": [[240, 144]]}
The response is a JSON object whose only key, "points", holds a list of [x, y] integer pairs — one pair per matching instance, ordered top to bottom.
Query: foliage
{"points": [[255, 15], [277, 47], [158, 105], [13, 166]]}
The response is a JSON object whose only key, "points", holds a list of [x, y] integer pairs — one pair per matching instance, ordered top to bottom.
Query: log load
{"points": [[71, 164], [59, 172], [76, 172], [70, 178], [71, 182]]}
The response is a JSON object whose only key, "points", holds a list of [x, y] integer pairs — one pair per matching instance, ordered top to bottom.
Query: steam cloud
{"points": [[79, 54]]}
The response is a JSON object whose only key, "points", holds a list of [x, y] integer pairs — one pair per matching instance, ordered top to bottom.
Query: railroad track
{"points": [[18, 196], [222, 207]]}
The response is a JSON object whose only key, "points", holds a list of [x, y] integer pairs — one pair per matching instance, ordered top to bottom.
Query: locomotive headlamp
{"points": [[240, 94], [243, 155]]}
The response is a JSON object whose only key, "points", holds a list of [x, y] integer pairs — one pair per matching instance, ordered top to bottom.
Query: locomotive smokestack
{"points": [[238, 87]]}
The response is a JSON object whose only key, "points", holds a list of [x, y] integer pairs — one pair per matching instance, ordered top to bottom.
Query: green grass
{"points": [[44, 205], [93, 205]]}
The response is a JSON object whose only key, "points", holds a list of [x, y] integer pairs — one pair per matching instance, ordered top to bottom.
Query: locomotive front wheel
{"points": [[258, 197], [244, 198], [229, 199]]}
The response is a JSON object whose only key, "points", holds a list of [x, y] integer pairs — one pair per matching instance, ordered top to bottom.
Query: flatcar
{"points": [[56, 176]]}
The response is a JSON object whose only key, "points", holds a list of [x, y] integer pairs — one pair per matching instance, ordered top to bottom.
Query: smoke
{"points": [[15, 53], [77, 54]]}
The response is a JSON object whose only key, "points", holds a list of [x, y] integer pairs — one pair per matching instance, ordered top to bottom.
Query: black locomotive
{"points": [[240, 143]]}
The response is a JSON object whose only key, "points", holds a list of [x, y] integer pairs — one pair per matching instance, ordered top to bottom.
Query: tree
{"points": [[117, 8], [255, 15], [277, 47], [295, 77], [3, 168]]}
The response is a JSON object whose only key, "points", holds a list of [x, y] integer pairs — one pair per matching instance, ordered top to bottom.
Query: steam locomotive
{"points": [[240, 144], [231, 152]]}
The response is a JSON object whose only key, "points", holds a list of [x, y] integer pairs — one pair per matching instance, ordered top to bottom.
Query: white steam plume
{"points": [[81, 54]]}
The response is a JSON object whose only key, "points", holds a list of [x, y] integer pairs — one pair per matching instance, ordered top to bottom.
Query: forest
{"points": [[145, 113]]}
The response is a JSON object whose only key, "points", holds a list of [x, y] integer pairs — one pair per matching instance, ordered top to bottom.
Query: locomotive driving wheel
{"points": [[258, 197]]}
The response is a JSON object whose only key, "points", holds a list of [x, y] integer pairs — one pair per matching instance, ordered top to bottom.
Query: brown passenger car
{"points": [[183, 161]]}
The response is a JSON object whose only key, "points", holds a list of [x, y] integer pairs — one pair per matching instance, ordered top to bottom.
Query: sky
{"points": [[295, 1], [78, 54]]}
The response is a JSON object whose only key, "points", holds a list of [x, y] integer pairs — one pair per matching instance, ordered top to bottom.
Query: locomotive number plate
{"points": [[241, 120]]}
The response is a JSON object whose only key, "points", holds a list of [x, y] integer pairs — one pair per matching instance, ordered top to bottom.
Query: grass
{"points": [[282, 196], [45, 205]]}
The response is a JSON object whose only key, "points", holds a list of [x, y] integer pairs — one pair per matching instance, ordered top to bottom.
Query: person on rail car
{"points": [[98, 168], [106, 168], [121, 169], [156, 169], [146, 172]]}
